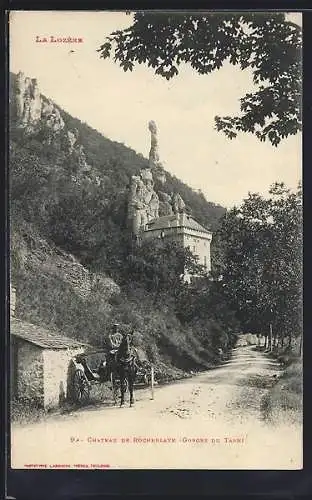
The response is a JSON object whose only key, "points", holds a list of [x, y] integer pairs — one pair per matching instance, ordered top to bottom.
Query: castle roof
{"points": [[176, 220]]}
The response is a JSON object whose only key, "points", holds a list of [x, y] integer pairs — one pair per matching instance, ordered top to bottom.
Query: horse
{"points": [[126, 367]]}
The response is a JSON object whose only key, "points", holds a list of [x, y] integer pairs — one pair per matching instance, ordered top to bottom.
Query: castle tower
{"points": [[183, 229]]}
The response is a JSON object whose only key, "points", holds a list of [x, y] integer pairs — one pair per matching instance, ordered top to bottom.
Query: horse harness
{"points": [[127, 359]]}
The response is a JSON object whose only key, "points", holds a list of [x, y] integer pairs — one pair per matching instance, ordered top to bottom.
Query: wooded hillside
{"points": [[69, 203]]}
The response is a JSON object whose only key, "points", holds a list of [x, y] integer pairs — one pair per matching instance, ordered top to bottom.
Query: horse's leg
{"points": [[131, 384], [114, 386], [122, 387]]}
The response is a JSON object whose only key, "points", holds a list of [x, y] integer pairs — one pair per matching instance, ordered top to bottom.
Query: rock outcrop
{"points": [[28, 100], [33, 112], [39, 116], [71, 139], [76, 150], [143, 201], [177, 202], [165, 206]]}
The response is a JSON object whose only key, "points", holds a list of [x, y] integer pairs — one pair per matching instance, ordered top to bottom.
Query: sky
{"points": [[120, 105]]}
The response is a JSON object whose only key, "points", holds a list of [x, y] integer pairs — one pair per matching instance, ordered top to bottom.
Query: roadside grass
{"points": [[284, 399], [25, 413]]}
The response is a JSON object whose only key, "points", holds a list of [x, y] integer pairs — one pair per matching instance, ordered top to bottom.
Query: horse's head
{"points": [[127, 340], [126, 343]]}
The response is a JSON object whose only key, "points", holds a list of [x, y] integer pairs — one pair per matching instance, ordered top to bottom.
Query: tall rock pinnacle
{"points": [[154, 152], [154, 161]]}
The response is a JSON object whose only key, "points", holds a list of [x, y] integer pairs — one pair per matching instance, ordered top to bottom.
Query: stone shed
{"points": [[39, 363]]}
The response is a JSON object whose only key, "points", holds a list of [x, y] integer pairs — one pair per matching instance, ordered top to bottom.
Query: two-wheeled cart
{"points": [[82, 377]]}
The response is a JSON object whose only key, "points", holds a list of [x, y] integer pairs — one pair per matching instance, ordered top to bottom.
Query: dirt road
{"points": [[210, 421]]}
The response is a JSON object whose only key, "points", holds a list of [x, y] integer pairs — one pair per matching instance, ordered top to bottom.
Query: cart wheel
{"points": [[81, 387]]}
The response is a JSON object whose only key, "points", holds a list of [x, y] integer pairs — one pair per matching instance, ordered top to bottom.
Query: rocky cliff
{"points": [[33, 111], [36, 116]]}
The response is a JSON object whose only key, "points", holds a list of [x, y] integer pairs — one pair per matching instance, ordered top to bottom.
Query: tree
{"points": [[266, 43], [159, 266], [260, 273]]}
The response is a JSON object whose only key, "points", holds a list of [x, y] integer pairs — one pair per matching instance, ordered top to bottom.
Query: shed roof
{"points": [[177, 220], [42, 337]]}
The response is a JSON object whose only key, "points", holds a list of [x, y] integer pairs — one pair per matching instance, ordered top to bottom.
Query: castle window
{"points": [[205, 261]]}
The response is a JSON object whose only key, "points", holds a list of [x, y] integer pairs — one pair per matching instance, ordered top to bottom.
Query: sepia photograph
{"points": [[155, 209]]}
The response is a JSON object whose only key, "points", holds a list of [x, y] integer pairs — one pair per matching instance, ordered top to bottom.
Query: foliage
{"points": [[266, 43], [159, 265], [261, 269], [203, 306]]}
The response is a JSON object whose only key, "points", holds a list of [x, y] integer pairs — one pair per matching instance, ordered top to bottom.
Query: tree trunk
{"points": [[270, 338], [290, 340], [275, 341], [265, 342], [282, 342], [301, 344]]}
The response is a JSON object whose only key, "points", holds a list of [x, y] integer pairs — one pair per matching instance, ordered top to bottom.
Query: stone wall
{"points": [[172, 233], [199, 245], [55, 262], [74, 273], [12, 300], [56, 365], [29, 372], [41, 375]]}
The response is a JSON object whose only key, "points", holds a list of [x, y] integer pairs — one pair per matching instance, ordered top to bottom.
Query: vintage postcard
{"points": [[156, 240]]}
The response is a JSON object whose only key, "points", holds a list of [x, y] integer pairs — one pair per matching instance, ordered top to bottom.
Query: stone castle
{"points": [[156, 214]]}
